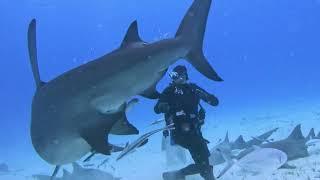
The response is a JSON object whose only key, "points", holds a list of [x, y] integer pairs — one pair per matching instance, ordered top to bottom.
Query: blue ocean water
{"points": [[267, 52]]}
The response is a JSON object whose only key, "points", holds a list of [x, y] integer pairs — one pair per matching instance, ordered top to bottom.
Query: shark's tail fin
{"points": [[192, 30], [32, 46]]}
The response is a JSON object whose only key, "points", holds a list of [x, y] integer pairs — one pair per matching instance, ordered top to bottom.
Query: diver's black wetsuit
{"points": [[182, 102]]}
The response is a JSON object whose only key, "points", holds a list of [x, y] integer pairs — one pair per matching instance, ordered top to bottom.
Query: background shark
{"points": [[73, 113], [294, 145], [227, 147], [258, 162], [80, 173]]}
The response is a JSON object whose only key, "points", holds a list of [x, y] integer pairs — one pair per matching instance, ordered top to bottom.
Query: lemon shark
{"points": [[73, 113], [295, 146], [227, 147], [258, 162], [80, 173]]}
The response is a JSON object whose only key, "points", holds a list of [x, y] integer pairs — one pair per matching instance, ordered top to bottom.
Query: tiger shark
{"points": [[73, 113], [295, 145], [227, 147]]}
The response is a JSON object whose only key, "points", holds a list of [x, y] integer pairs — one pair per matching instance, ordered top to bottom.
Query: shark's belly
{"points": [[55, 132], [59, 150]]}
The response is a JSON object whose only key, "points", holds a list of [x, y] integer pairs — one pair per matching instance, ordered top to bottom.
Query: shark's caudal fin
{"points": [[191, 31], [32, 46]]}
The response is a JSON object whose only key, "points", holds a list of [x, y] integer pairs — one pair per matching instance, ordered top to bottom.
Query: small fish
{"points": [[157, 122], [141, 140], [88, 165]]}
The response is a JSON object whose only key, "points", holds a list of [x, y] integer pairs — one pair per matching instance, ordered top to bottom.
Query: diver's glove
{"points": [[164, 107], [165, 133]]}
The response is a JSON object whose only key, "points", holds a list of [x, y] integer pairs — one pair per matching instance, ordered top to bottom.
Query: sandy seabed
{"points": [[149, 162]]}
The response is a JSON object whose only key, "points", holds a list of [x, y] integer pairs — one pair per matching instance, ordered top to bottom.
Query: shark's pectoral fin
{"points": [[151, 93], [123, 126], [96, 134], [97, 141], [228, 159]]}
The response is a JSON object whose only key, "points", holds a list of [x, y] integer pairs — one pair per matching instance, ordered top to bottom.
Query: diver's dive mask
{"points": [[174, 75]]}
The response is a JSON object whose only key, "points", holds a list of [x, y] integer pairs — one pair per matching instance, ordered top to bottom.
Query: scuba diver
{"points": [[180, 103]]}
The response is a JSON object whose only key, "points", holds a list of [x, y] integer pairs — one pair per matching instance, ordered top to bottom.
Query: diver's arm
{"points": [[205, 96], [162, 105]]}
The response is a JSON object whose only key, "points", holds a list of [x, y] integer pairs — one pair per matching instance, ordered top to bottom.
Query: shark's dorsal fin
{"points": [[132, 35], [296, 133], [311, 134], [318, 135], [226, 139], [240, 140], [240, 143]]}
